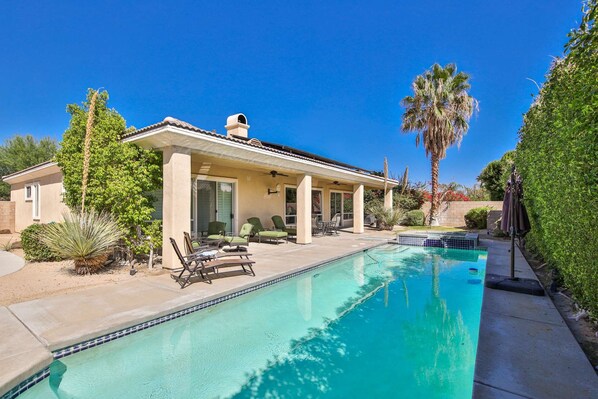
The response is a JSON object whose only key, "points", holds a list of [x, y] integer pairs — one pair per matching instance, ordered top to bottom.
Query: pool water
{"points": [[394, 321]]}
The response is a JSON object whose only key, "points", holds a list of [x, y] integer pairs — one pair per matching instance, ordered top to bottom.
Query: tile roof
{"points": [[253, 142]]}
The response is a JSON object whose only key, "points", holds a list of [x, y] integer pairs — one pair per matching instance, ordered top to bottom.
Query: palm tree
{"points": [[439, 111]]}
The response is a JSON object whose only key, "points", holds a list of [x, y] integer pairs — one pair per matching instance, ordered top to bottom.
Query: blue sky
{"points": [[324, 76]]}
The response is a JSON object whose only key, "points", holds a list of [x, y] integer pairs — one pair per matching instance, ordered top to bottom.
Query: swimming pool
{"points": [[394, 321]]}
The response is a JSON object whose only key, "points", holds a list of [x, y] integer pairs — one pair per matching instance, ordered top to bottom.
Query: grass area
{"points": [[430, 228]]}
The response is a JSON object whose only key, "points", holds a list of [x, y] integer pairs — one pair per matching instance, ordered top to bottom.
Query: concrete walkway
{"points": [[10, 263], [525, 349]]}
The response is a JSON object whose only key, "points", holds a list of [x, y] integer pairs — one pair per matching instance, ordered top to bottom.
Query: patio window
{"points": [[316, 204], [290, 205], [347, 206]]}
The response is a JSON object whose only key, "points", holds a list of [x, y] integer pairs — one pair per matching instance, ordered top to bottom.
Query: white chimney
{"points": [[236, 125]]}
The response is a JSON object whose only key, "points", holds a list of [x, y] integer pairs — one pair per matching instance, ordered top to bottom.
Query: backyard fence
{"points": [[452, 213], [7, 217]]}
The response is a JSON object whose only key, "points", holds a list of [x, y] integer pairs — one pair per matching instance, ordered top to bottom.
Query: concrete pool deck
{"points": [[525, 349], [508, 364]]}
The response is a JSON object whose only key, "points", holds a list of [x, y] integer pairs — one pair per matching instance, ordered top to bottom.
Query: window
{"points": [[28, 192], [35, 194], [316, 204], [290, 205], [347, 206]]}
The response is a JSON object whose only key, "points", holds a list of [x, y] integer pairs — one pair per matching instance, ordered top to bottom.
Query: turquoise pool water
{"points": [[392, 322]]}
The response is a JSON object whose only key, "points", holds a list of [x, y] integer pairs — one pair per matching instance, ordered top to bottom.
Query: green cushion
{"points": [[273, 234], [215, 237], [236, 240]]}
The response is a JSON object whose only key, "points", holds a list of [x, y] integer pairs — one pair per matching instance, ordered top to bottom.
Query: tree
{"points": [[438, 111], [21, 152], [121, 175], [495, 175]]}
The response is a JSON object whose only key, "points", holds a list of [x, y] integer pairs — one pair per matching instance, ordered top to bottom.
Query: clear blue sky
{"points": [[324, 76]]}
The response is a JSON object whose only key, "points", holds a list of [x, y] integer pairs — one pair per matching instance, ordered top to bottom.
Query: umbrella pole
{"points": [[513, 193], [510, 283]]}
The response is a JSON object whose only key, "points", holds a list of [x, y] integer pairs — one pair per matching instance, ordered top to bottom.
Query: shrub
{"points": [[556, 158], [414, 218], [476, 218], [386, 219], [84, 237], [35, 250]]}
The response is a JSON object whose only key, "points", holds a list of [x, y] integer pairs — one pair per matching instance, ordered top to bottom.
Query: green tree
{"points": [[438, 111], [20, 152], [121, 175], [495, 175]]}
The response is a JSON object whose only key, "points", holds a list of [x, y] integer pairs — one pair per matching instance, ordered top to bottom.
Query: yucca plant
{"points": [[386, 219], [84, 237]]}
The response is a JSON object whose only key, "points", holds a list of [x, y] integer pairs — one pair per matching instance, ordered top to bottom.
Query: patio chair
{"points": [[335, 223], [279, 225], [216, 231], [260, 232], [242, 239], [194, 248], [206, 264], [191, 265]]}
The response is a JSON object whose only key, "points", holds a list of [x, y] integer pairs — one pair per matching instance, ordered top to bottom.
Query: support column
{"points": [[388, 199], [176, 206], [358, 208], [303, 209]]}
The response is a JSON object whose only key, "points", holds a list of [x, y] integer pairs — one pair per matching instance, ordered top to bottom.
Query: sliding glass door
{"points": [[212, 200]]}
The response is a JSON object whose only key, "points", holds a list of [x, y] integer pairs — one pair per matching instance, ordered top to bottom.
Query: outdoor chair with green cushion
{"points": [[279, 225], [216, 231], [260, 232], [242, 238]]}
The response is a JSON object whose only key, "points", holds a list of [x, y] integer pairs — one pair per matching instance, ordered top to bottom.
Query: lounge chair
{"points": [[279, 225], [216, 231], [260, 232], [242, 239], [192, 247], [191, 265], [197, 265]]}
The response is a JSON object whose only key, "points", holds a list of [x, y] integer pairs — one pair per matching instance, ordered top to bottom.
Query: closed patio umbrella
{"points": [[515, 221]]}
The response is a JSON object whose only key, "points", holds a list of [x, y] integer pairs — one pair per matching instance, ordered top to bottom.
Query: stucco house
{"points": [[209, 176]]}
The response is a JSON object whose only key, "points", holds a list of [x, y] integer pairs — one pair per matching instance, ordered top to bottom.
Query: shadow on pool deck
{"points": [[525, 349]]}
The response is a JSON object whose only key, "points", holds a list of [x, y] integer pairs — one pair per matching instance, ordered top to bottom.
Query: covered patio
{"points": [[209, 176]]}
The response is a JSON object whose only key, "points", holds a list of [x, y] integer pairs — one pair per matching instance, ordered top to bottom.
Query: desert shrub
{"points": [[556, 158], [414, 218], [476, 218], [386, 219], [85, 237], [34, 248]]}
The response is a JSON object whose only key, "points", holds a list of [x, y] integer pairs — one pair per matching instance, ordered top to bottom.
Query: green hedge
{"points": [[557, 158], [414, 218], [477, 218], [33, 247]]}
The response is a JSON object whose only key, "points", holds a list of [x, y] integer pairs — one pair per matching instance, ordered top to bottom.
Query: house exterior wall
{"points": [[252, 191], [51, 205], [453, 214]]}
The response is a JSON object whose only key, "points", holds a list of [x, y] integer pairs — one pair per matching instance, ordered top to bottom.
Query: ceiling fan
{"points": [[274, 173]]}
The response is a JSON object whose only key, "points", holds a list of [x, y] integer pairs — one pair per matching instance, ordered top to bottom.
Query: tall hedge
{"points": [[557, 158]]}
